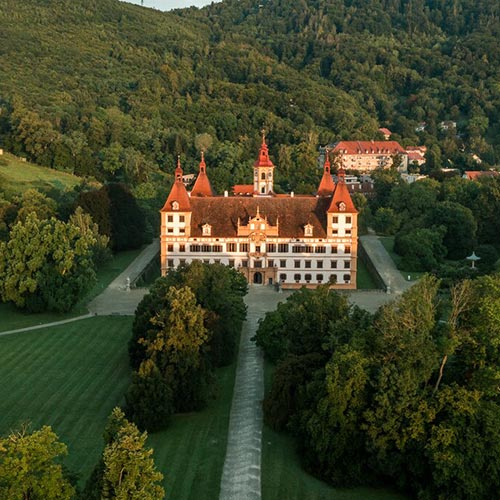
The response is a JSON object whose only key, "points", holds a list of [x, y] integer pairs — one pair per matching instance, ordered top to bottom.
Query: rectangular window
{"points": [[170, 218], [182, 218], [335, 220], [348, 220], [170, 230], [182, 230], [335, 231], [347, 231], [231, 247], [243, 247], [271, 247], [170, 248], [182, 248], [195, 248], [206, 248], [217, 248], [283, 248], [257, 249], [296, 249], [309, 249], [320, 249], [335, 249], [347, 249], [206, 261], [217, 261], [170, 262], [182, 262], [231, 262], [244, 263], [257, 263], [270, 263], [282, 263], [296, 264], [308, 264], [319, 264], [333, 264], [347, 264], [282, 277], [296, 277], [319, 278], [347, 278]]}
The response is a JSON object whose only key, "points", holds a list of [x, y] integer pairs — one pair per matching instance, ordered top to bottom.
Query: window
{"points": [[263, 176], [263, 190], [170, 218], [182, 218], [335, 220], [348, 220], [207, 229], [182, 230], [308, 230], [335, 231], [231, 247], [243, 247], [271, 247], [170, 248], [182, 248], [195, 248], [206, 248], [217, 248], [257, 248], [283, 248], [296, 249], [309, 249], [320, 249], [335, 249], [347, 249], [206, 261], [217, 261], [170, 262], [182, 262], [231, 262], [244, 263], [257, 263], [270, 263], [282, 263], [296, 264], [308, 264], [319, 264], [333, 264], [347, 264], [282, 277], [296, 277], [308, 278], [319, 278], [333, 278], [347, 278]]}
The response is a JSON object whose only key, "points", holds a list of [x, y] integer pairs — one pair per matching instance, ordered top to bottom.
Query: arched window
{"points": [[263, 176], [283, 277], [296, 277], [308, 278], [319, 278], [347, 278]]}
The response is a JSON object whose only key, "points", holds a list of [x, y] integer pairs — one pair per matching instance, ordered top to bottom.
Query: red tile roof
{"points": [[385, 131], [368, 147], [473, 175], [202, 186], [326, 186], [243, 190], [178, 193], [341, 196], [291, 213]]}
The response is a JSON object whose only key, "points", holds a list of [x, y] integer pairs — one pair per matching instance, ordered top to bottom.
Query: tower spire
{"points": [[326, 186]]}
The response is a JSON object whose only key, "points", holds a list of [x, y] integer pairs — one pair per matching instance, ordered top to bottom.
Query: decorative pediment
{"points": [[175, 205], [342, 206], [257, 228], [206, 230], [308, 230]]}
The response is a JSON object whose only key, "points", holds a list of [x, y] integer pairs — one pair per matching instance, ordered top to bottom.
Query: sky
{"points": [[171, 4]]}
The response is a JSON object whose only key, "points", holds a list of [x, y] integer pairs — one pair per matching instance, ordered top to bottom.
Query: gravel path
{"points": [[241, 474]]}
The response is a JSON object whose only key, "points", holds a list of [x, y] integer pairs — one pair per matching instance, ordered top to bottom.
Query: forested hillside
{"points": [[116, 91]]}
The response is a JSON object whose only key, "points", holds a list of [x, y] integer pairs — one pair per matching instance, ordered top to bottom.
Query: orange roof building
{"points": [[365, 156], [291, 240]]}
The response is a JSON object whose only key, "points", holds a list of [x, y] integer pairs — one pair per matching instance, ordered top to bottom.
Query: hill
{"points": [[116, 91], [16, 176]]}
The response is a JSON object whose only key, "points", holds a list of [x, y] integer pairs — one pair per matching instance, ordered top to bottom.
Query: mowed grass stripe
{"points": [[69, 377], [191, 452]]}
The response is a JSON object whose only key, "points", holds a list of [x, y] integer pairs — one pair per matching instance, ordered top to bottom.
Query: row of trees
{"points": [[433, 221], [50, 250], [187, 326], [408, 395], [31, 469]]}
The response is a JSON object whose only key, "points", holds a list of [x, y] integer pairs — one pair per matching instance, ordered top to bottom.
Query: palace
{"points": [[292, 240]]}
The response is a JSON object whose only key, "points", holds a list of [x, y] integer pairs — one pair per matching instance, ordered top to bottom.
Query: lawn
{"points": [[17, 176], [388, 243], [364, 280], [12, 318], [69, 377], [191, 452], [283, 477]]}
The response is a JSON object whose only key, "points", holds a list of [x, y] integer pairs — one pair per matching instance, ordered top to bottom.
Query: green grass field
{"points": [[17, 176], [388, 242], [364, 280], [12, 318], [69, 377], [191, 452], [284, 478]]}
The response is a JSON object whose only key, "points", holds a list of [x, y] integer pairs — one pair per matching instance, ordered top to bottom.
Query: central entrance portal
{"points": [[257, 278]]}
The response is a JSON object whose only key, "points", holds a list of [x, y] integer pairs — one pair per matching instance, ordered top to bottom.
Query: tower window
{"points": [[263, 176]]}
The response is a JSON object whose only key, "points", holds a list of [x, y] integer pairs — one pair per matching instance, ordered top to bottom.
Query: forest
{"points": [[115, 91]]}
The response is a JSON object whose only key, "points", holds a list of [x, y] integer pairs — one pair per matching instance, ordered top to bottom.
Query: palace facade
{"points": [[292, 240]]}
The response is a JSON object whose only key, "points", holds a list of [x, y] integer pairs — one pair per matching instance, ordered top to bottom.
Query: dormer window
{"points": [[175, 205], [342, 206], [207, 230], [308, 230]]}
